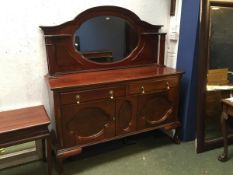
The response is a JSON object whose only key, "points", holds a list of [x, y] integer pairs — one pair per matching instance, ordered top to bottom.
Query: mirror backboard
{"points": [[101, 38]]}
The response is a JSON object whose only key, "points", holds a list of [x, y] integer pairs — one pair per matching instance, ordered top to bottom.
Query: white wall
{"points": [[173, 36], [22, 51]]}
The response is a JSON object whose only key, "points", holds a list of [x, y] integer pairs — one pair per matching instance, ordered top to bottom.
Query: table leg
{"points": [[44, 149], [224, 156], [49, 160], [60, 168]]}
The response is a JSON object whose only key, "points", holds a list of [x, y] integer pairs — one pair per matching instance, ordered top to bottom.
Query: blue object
{"points": [[187, 62]]}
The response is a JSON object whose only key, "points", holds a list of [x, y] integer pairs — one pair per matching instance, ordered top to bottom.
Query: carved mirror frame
{"points": [[63, 57], [202, 143]]}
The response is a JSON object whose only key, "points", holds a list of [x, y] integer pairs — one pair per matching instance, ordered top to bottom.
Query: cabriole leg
{"points": [[224, 156]]}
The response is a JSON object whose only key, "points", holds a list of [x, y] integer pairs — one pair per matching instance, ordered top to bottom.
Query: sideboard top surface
{"points": [[108, 76]]}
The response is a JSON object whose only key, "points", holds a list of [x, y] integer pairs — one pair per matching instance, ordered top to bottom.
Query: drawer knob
{"points": [[167, 84], [143, 90], [111, 93], [78, 99]]}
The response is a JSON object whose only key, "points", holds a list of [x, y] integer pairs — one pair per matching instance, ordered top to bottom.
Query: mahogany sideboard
{"points": [[129, 92]]}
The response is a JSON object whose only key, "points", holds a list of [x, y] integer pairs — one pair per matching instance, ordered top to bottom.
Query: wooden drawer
{"points": [[151, 86], [93, 94]]}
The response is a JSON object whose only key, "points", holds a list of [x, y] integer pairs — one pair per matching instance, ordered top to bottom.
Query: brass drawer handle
{"points": [[167, 85], [143, 90], [111, 93], [77, 97]]}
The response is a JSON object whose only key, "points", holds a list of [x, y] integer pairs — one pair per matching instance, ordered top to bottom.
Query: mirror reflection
{"points": [[105, 39], [220, 70]]}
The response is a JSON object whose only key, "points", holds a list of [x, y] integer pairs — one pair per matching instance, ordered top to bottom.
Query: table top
{"points": [[109, 76], [228, 101], [23, 118]]}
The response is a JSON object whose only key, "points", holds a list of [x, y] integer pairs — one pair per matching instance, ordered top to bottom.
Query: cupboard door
{"points": [[126, 109], [155, 110], [88, 122]]}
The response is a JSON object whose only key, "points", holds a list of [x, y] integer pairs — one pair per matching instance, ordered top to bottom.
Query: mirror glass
{"points": [[105, 39], [220, 67]]}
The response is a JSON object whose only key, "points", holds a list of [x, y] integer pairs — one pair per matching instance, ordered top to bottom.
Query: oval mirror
{"points": [[105, 39]]}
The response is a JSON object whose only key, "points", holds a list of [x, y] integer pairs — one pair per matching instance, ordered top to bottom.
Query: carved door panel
{"points": [[126, 109], [154, 110], [88, 122]]}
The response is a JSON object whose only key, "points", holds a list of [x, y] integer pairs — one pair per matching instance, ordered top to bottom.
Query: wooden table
{"points": [[227, 111], [24, 125]]}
